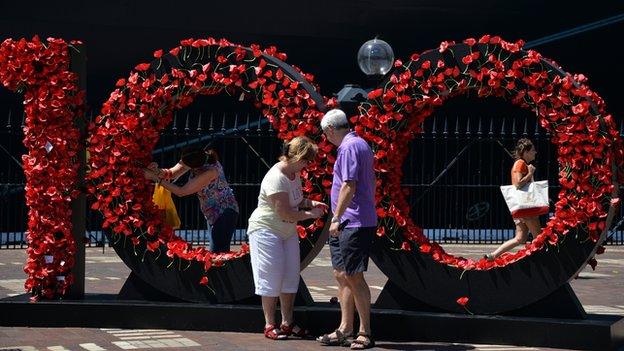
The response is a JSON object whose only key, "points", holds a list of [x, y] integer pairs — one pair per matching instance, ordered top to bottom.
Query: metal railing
{"points": [[453, 173]]}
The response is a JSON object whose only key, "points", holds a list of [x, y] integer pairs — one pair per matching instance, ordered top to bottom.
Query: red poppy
{"points": [[470, 41], [444, 45], [142, 67], [375, 93], [557, 101], [286, 105], [50, 172], [301, 231]]}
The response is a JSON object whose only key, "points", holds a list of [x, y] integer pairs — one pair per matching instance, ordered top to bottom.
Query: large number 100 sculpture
{"points": [[122, 137]]}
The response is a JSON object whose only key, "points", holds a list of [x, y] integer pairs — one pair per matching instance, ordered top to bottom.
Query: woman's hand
{"points": [[153, 166], [531, 169], [150, 174], [317, 204], [316, 212]]}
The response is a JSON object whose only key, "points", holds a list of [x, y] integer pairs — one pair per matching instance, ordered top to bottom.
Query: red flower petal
{"points": [[142, 67], [375, 93], [462, 301]]}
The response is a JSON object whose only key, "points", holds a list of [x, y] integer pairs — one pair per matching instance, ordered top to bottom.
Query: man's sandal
{"points": [[295, 330], [274, 333], [339, 340], [357, 344]]}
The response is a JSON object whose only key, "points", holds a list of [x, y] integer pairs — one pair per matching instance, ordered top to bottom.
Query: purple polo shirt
{"points": [[354, 161]]}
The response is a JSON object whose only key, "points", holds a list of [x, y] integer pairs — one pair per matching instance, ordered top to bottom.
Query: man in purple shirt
{"points": [[352, 200]]}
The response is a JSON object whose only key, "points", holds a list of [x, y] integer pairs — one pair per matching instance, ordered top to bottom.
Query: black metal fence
{"points": [[453, 173]]}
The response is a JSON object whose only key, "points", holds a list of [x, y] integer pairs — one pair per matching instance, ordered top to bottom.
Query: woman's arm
{"points": [[173, 172], [519, 180], [192, 186], [305, 203], [309, 203], [281, 204]]}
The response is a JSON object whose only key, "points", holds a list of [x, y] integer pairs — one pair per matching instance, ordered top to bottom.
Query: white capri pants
{"points": [[274, 262]]}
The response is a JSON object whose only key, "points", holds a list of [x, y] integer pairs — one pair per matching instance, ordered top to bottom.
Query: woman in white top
{"points": [[273, 239]]}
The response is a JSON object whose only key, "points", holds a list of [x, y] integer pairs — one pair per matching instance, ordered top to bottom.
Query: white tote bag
{"points": [[529, 201]]}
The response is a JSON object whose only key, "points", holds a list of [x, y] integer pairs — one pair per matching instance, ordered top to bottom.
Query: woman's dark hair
{"points": [[523, 145], [196, 157]]}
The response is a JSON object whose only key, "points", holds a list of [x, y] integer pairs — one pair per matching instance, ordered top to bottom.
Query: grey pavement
{"points": [[599, 291]]}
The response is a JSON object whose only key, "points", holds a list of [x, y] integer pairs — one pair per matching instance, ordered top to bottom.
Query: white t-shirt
{"points": [[265, 216]]}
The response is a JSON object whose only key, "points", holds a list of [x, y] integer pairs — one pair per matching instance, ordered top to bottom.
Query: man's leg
{"points": [[356, 247], [361, 295], [347, 303]]}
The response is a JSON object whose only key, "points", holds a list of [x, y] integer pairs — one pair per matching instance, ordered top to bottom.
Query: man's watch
{"points": [[335, 220]]}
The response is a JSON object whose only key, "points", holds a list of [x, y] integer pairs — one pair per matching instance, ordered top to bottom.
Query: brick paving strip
{"points": [[599, 291], [34, 339]]}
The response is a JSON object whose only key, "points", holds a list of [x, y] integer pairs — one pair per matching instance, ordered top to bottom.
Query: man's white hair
{"points": [[335, 118]]}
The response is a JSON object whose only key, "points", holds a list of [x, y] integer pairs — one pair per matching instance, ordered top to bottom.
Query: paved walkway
{"points": [[600, 291]]}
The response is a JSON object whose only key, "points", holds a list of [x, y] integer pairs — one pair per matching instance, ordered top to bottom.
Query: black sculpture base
{"points": [[136, 289], [562, 303], [596, 332]]}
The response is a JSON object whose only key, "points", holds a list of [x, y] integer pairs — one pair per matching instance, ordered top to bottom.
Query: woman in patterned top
{"points": [[521, 174], [207, 180]]}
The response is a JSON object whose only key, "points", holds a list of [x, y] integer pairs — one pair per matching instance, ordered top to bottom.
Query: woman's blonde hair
{"points": [[299, 148]]}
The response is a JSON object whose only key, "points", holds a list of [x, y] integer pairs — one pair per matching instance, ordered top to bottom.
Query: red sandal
{"points": [[295, 330], [274, 333]]}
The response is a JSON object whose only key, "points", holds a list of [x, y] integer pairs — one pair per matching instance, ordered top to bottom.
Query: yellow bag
{"points": [[162, 199]]}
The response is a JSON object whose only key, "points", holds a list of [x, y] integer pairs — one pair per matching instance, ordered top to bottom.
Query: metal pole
{"points": [[79, 205]]}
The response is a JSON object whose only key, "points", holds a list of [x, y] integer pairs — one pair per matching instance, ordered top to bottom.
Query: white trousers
{"points": [[274, 262]]}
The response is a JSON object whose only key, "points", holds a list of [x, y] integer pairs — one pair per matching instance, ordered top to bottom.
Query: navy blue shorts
{"points": [[350, 250]]}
